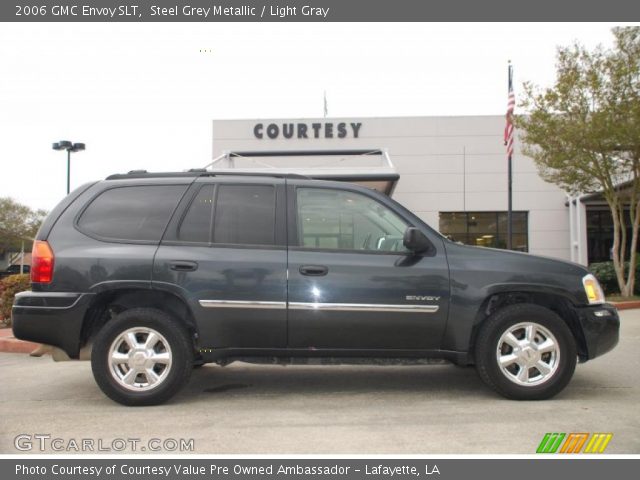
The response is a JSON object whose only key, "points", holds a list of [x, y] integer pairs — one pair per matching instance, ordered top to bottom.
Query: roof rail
{"points": [[198, 172], [231, 173]]}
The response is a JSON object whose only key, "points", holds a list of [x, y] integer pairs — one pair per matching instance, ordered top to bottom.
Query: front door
{"points": [[352, 284]]}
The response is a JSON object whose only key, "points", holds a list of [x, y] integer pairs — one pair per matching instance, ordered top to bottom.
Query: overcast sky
{"points": [[144, 95]]}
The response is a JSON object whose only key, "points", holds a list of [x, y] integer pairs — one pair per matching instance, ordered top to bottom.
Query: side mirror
{"points": [[415, 241]]}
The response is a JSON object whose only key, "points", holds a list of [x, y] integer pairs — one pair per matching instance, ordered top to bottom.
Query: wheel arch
{"points": [[110, 302], [558, 302]]}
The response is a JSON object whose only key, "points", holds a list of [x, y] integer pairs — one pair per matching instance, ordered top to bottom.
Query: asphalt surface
{"points": [[247, 409]]}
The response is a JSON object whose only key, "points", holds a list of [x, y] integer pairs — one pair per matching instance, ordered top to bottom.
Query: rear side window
{"points": [[131, 213], [245, 214], [196, 224]]}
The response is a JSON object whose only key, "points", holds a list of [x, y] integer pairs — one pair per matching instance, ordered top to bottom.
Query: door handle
{"points": [[182, 266], [314, 270]]}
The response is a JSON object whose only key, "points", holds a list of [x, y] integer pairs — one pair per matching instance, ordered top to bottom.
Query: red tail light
{"points": [[41, 262]]}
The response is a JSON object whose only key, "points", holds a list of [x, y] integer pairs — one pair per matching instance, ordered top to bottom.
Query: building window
{"points": [[486, 229], [600, 234]]}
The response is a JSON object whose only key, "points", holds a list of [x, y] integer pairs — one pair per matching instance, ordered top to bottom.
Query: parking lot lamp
{"points": [[69, 147]]}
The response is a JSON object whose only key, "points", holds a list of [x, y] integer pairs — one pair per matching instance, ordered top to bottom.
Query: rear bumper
{"points": [[51, 318], [601, 329]]}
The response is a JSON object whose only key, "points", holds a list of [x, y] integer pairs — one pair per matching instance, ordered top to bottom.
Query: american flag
{"points": [[511, 103]]}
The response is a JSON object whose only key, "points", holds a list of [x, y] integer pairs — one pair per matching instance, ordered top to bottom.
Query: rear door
{"points": [[225, 251], [352, 284]]}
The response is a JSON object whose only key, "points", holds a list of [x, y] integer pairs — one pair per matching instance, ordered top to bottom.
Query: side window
{"points": [[131, 213], [245, 214], [344, 220], [196, 224]]}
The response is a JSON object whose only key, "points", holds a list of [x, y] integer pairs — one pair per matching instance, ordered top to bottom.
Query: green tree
{"points": [[584, 134], [17, 223]]}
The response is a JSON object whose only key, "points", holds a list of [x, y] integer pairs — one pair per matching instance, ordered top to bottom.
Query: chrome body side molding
{"points": [[334, 307]]}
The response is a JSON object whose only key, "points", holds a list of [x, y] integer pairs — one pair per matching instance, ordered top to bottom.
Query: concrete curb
{"points": [[626, 305], [10, 344]]}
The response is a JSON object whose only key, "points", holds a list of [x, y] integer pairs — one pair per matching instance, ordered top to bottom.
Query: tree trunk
{"points": [[618, 263], [631, 272]]}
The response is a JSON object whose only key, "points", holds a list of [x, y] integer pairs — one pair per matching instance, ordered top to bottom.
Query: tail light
{"points": [[42, 260]]}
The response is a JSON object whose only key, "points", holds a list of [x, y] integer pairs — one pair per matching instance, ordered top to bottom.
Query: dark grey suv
{"points": [[156, 273]]}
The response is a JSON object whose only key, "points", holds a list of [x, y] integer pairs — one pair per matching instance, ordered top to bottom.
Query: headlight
{"points": [[592, 288]]}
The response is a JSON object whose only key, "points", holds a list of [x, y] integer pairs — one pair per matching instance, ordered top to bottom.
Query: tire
{"points": [[539, 357], [198, 363], [150, 373]]}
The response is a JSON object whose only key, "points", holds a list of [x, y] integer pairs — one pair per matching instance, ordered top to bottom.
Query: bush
{"points": [[606, 275], [9, 286]]}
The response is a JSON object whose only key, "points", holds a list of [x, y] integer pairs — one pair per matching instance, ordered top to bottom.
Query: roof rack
{"points": [[199, 172]]}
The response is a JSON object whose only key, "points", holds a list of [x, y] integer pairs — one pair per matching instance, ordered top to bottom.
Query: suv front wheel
{"points": [[525, 352], [142, 357]]}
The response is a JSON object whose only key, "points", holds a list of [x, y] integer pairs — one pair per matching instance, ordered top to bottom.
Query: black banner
{"points": [[334, 469]]}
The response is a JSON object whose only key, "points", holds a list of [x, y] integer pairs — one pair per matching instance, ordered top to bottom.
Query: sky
{"points": [[142, 96]]}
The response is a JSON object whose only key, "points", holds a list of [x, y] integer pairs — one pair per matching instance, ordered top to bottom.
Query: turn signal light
{"points": [[41, 262], [592, 289]]}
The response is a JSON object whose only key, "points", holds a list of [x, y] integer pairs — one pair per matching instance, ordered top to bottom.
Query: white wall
{"points": [[445, 164]]}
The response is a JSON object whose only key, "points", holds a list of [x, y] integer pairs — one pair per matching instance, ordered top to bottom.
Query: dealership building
{"points": [[450, 171]]}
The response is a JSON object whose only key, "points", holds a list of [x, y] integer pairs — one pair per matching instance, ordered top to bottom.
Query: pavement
{"points": [[248, 409]]}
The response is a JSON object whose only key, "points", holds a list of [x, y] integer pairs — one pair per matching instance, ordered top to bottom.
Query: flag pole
{"points": [[326, 108], [510, 166], [510, 208]]}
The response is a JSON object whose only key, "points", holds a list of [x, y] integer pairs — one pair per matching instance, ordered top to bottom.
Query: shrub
{"points": [[606, 275], [9, 286]]}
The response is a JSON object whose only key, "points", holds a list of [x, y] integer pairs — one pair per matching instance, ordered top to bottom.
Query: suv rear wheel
{"points": [[526, 352], [142, 357]]}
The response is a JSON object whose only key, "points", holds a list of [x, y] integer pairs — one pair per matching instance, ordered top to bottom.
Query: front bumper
{"points": [[51, 318], [600, 328]]}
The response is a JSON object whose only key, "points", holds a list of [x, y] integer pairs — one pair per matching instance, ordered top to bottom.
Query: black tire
{"points": [[486, 349], [181, 354], [198, 363]]}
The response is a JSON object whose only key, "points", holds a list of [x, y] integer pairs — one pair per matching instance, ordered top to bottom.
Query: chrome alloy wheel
{"points": [[528, 354], [140, 359]]}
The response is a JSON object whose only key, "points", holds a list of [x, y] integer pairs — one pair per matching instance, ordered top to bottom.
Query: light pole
{"points": [[69, 147]]}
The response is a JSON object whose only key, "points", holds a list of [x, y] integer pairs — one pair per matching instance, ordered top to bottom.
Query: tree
{"points": [[584, 134], [17, 223]]}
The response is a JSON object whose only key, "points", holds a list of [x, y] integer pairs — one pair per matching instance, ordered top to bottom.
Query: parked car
{"points": [[15, 270], [156, 273]]}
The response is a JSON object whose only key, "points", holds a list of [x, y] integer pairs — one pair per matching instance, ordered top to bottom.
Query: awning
{"points": [[371, 168]]}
